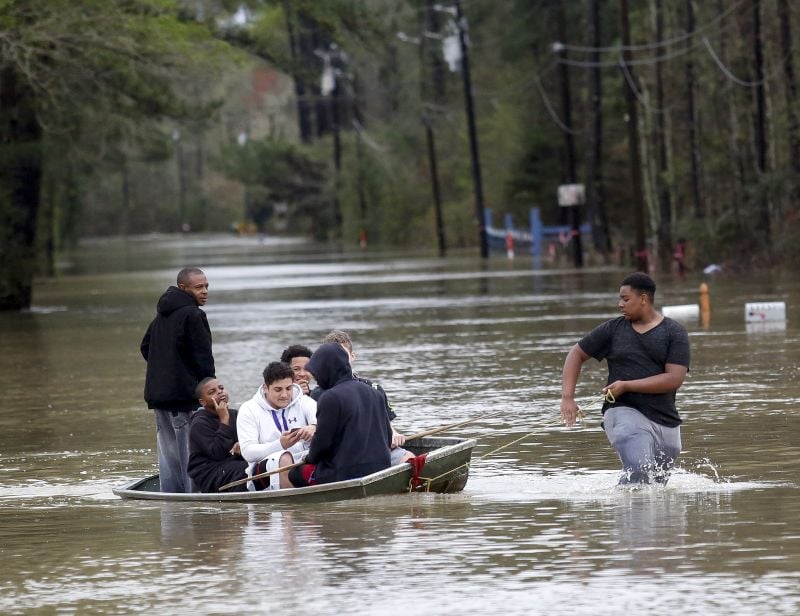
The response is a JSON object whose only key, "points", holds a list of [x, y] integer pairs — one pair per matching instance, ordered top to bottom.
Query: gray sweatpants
{"points": [[647, 450]]}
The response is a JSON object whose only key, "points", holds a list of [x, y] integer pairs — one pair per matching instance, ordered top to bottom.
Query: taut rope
{"points": [[428, 481]]}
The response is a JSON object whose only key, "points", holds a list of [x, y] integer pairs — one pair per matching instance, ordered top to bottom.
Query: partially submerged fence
{"points": [[537, 238]]}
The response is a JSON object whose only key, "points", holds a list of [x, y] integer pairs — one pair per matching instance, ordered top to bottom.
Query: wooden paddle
{"points": [[451, 426], [408, 438], [239, 482]]}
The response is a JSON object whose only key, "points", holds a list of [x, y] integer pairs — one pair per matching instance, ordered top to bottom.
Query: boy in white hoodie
{"points": [[275, 427]]}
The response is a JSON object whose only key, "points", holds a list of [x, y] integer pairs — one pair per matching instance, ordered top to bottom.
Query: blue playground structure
{"points": [[511, 239]]}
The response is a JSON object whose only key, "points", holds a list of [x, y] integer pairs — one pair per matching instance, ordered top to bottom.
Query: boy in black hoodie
{"points": [[353, 430]]}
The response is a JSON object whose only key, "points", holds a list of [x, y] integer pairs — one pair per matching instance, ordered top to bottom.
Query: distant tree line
{"points": [[680, 118]]}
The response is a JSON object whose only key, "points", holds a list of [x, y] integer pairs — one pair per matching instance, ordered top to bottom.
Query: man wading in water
{"points": [[648, 358]]}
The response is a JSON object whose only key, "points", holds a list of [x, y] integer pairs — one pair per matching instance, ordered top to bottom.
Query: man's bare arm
{"points": [[569, 379]]}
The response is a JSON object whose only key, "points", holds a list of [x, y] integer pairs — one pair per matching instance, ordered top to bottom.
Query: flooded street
{"points": [[540, 527]]}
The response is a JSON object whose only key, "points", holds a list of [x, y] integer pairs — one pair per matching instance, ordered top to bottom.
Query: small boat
{"points": [[446, 470]]}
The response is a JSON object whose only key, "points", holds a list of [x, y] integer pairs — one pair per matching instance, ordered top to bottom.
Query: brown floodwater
{"points": [[540, 527]]}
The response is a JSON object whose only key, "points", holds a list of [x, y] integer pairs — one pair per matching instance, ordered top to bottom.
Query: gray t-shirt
{"points": [[631, 355]]}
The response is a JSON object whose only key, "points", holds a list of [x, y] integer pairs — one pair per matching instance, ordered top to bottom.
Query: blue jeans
{"points": [[172, 439], [647, 450]]}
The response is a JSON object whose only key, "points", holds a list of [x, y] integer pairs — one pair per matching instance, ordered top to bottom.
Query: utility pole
{"points": [[432, 85], [330, 88], [435, 91], [569, 142], [337, 158], [595, 190], [362, 197], [437, 198], [483, 239]]}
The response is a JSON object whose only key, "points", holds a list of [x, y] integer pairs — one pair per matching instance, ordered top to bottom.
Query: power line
{"points": [[660, 44], [642, 61], [727, 72], [747, 84], [632, 85], [552, 111], [367, 139]]}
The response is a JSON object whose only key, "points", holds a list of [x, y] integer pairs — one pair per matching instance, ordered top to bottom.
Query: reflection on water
{"points": [[541, 526]]}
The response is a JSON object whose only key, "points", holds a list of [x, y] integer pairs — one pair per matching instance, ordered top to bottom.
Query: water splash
{"points": [[707, 463], [592, 485]]}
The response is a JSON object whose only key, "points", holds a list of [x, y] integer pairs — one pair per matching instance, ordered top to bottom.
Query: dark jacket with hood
{"points": [[177, 348], [317, 392], [353, 431], [211, 464]]}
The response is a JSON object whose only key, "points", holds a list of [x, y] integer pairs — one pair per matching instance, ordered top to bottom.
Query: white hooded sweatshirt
{"points": [[259, 425]]}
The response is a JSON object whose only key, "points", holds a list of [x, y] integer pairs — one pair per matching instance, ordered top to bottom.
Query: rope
{"points": [[428, 481]]}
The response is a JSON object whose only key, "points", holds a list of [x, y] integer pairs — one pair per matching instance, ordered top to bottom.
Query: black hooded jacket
{"points": [[177, 348], [317, 392], [353, 431], [211, 464]]}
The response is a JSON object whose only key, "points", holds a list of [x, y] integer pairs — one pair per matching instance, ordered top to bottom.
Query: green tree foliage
{"points": [[76, 73], [93, 92], [279, 172]]}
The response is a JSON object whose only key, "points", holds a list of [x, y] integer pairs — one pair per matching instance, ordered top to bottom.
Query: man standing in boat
{"points": [[177, 349], [648, 358], [275, 426], [353, 430], [214, 454]]}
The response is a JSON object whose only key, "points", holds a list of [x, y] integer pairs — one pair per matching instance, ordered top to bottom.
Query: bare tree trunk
{"points": [[310, 40], [389, 73], [790, 92], [304, 122], [760, 127], [738, 151], [694, 158], [337, 159], [649, 171], [662, 184], [20, 185], [125, 188], [637, 196], [363, 205], [597, 208], [45, 226]]}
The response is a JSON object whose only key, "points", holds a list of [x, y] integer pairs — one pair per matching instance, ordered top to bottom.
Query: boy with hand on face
{"points": [[275, 427], [214, 457]]}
